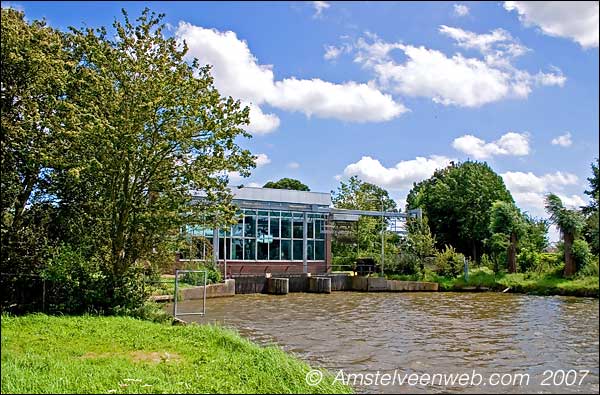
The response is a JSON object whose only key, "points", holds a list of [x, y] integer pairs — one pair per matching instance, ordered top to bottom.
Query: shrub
{"points": [[581, 253], [528, 260], [449, 262], [405, 263], [590, 269], [213, 275]]}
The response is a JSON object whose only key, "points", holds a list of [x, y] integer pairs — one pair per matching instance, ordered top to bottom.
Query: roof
{"points": [[281, 196]]}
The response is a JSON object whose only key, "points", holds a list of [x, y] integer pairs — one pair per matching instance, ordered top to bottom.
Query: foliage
{"points": [[104, 137], [287, 183], [594, 191], [359, 195], [457, 200], [506, 219], [570, 223], [590, 230], [535, 234], [416, 248], [581, 253], [449, 262], [590, 269], [87, 354]]}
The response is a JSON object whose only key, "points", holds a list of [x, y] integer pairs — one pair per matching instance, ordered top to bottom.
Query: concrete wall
{"points": [[408, 286], [212, 291]]}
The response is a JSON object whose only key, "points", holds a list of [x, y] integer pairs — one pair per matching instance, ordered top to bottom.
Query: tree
{"points": [[35, 118], [287, 183], [457, 200], [506, 219], [570, 223], [590, 231]]}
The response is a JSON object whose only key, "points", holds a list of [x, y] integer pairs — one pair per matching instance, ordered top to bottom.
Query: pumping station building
{"points": [[277, 231]]}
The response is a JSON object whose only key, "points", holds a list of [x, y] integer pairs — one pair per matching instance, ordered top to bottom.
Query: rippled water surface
{"points": [[424, 333]]}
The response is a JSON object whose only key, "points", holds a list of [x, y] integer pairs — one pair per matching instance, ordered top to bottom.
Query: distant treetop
{"points": [[287, 183]]}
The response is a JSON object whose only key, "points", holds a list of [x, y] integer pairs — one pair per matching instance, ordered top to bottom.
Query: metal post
{"points": [[382, 241], [304, 242], [225, 254], [204, 296], [175, 297]]}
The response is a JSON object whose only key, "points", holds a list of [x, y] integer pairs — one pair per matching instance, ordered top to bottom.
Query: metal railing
{"points": [[177, 272]]}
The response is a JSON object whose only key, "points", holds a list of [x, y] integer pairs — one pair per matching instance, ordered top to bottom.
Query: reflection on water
{"points": [[423, 333]]}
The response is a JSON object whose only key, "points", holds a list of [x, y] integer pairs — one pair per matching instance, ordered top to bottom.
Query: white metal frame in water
{"points": [[177, 272]]}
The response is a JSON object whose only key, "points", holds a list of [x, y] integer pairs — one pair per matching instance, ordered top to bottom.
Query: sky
{"points": [[391, 91]]}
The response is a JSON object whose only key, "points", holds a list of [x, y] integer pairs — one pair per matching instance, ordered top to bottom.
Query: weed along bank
{"points": [[278, 231]]}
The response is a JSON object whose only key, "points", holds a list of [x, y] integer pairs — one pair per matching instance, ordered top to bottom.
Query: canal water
{"points": [[553, 340]]}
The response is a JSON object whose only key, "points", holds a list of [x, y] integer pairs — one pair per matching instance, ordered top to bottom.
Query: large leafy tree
{"points": [[35, 118], [155, 130], [287, 183], [457, 200], [506, 219], [570, 223]]}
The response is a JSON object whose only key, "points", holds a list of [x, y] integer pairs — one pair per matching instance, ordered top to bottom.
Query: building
{"points": [[278, 231]]}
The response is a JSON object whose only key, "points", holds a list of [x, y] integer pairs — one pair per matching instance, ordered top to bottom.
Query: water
{"points": [[445, 333]]}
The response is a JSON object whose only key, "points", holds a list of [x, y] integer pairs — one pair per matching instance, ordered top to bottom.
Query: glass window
{"points": [[265, 213], [274, 213], [285, 214], [298, 225], [249, 226], [262, 227], [238, 228], [286, 228], [310, 228], [319, 229], [274, 231], [208, 232], [222, 248], [237, 249], [249, 249], [274, 250], [297, 250], [310, 250], [319, 250], [262, 251], [286, 252]]}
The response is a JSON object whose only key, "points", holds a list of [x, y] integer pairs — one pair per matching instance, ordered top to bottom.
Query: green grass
{"points": [[551, 283], [89, 354]]}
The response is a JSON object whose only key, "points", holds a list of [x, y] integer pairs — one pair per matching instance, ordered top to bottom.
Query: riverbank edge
{"points": [[79, 354]]}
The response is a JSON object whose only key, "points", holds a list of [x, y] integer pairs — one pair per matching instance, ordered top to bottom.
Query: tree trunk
{"points": [[512, 254], [570, 267]]}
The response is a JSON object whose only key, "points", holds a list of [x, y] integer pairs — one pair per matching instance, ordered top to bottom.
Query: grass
{"points": [[551, 283], [89, 354]]}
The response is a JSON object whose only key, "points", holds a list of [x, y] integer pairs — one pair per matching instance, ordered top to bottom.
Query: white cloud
{"points": [[319, 6], [461, 10], [576, 20], [332, 52], [237, 73], [454, 80], [563, 141], [511, 143], [293, 165], [401, 176], [255, 185], [529, 190]]}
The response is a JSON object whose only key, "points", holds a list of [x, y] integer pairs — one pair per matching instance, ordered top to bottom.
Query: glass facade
{"points": [[262, 235]]}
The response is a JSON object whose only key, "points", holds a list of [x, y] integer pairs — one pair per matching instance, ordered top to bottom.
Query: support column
{"points": [[215, 242], [305, 243]]}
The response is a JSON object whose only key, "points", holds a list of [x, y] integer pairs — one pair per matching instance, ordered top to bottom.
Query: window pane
{"points": [[265, 213], [274, 213], [286, 214], [249, 226], [263, 227], [274, 227], [238, 228], [286, 228], [297, 228], [310, 228], [319, 228], [208, 232], [222, 248], [237, 248], [249, 249], [310, 249], [274, 250], [297, 250], [319, 250], [262, 251], [286, 253]]}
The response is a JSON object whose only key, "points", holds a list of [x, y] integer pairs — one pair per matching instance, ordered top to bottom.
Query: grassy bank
{"points": [[528, 283], [87, 354]]}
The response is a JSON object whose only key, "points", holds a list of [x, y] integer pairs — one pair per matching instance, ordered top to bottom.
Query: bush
{"points": [[581, 253], [528, 260], [449, 262], [405, 263], [590, 269], [213, 276], [77, 284]]}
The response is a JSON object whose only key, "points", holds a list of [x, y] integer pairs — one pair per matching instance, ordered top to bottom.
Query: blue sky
{"points": [[390, 91]]}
